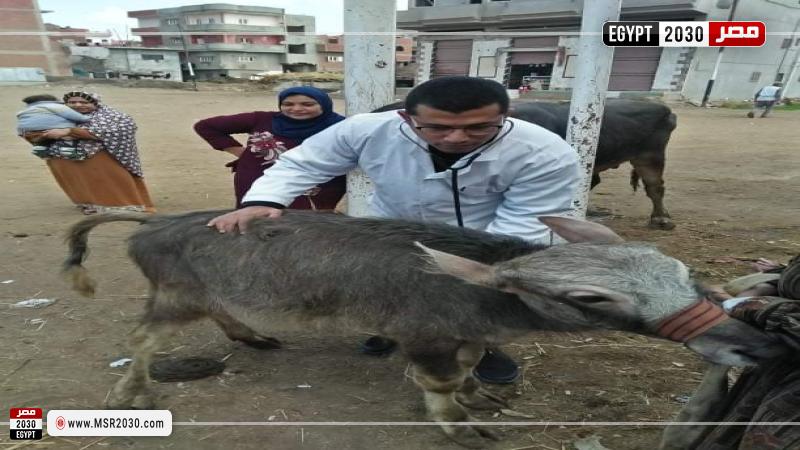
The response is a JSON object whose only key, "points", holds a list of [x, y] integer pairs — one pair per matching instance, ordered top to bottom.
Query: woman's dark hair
{"points": [[457, 94], [39, 98]]}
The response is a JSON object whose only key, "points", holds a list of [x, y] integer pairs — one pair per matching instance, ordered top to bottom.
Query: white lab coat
{"points": [[527, 173]]}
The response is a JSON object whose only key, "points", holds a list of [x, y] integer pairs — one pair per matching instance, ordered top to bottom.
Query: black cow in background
{"points": [[635, 131]]}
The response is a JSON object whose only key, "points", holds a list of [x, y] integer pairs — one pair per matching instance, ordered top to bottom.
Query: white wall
{"points": [[191, 19], [255, 20], [149, 22], [485, 52], [130, 60], [738, 64]]}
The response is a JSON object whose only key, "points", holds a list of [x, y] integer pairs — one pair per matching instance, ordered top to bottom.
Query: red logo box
{"points": [[736, 34], [25, 413]]}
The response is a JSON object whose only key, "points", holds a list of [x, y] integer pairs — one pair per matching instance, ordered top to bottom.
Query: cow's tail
{"points": [[634, 179], [77, 238]]}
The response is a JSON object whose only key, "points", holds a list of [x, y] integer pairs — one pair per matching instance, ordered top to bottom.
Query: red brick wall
{"points": [[21, 15]]}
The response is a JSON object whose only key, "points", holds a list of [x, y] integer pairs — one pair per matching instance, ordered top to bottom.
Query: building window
{"points": [[475, 2], [422, 3], [211, 20], [172, 21], [198, 21], [242, 21], [296, 28], [245, 40], [176, 41], [333, 41], [786, 43], [399, 48], [297, 49], [152, 57], [247, 58], [335, 58], [206, 59], [755, 76], [779, 77]]}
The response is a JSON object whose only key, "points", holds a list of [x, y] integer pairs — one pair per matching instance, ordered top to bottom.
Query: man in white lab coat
{"points": [[451, 156]]}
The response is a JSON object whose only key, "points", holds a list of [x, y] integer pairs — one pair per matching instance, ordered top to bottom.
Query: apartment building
{"points": [[224, 40]]}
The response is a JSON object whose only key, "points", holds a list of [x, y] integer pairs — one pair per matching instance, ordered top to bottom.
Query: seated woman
{"points": [[304, 111], [104, 173]]}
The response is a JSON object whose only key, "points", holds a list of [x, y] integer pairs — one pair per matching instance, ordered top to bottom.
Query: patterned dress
{"points": [[110, 175]]}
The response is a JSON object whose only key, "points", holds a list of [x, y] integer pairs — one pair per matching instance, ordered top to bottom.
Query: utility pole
{"points": [[186, 55], [368, 74], [710, 83], [589, 92]]}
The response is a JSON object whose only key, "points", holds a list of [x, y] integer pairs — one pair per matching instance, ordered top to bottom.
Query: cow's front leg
{"points": [[440, 376], [132, 390], [471, 394], [706, 405]]}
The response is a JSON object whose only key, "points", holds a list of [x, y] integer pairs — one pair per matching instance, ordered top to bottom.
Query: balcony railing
{"points": [[224, 47]]}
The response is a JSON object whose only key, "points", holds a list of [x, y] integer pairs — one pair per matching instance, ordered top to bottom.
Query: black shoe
{"points": [[378, 346], [496, 368]]}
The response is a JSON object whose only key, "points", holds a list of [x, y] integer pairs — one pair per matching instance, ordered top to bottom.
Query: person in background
{"points": [[766, 98], [45, 112], [303, 112], [452, 156], [104, 173]]}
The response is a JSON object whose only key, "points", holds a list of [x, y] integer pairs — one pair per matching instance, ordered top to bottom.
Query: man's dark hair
{"points": [[457, 94], [39, 98]]}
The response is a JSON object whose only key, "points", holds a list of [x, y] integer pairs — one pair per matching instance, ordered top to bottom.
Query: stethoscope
{"points": [[477, 151]]}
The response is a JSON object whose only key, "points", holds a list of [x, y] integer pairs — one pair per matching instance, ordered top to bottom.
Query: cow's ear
{"points": [[574, 230], [463, 268]]}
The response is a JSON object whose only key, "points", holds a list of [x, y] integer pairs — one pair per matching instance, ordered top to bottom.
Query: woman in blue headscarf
{"points": [[304, 111]]}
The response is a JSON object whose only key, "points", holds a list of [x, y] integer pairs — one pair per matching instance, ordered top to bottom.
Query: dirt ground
{"points": [[732, 187]]}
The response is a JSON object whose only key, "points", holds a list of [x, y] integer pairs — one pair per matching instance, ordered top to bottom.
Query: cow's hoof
{"points": [[661, 223], [262, 342], [482, 399], [119, 401], [143, 401], [470, 436]]}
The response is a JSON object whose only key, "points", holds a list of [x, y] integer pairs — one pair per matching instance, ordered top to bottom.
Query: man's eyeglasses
{"points": [[469, 130]]}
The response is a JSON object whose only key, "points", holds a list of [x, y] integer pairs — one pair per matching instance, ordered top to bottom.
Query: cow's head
{"points": [[606, 283]]}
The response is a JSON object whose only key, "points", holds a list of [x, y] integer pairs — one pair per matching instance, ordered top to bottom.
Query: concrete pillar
{"points": [[369, 27], [424, 61], [589, 92]]}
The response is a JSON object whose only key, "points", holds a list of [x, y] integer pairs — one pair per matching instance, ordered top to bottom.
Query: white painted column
{"points": [[368, 74], [589, 92]]}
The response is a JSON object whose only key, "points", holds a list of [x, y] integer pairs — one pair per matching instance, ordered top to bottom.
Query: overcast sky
{"points": [[101, 15]]}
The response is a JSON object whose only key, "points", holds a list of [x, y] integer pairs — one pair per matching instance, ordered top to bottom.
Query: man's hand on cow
{"points": [[239, 219]]}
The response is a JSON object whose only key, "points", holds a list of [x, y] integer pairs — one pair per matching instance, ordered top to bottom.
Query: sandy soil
{"points": [[732, 186]]}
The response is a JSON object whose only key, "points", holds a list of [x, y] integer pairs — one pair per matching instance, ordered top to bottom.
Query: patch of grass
{"points": [[736, 104], [790, 105], [794, 106]]}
